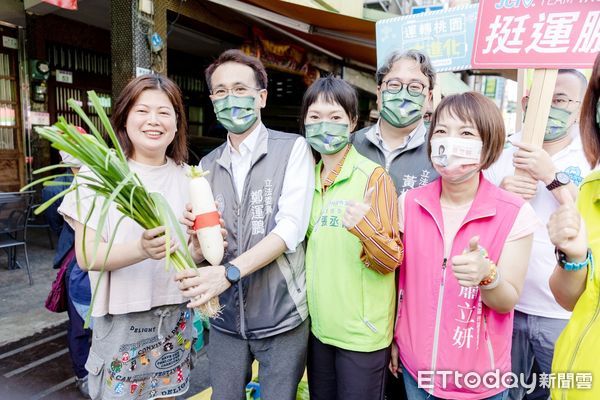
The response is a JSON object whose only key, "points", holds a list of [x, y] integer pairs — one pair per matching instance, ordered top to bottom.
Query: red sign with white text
{"points": [[68, 4], [537, 34]]}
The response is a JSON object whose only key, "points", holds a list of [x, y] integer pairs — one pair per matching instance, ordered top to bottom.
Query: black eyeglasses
{"points": [[395, 86]]}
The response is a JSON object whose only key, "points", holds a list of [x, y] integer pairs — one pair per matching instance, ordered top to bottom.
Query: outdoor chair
{"points": [[14, 212], [40, 222]]}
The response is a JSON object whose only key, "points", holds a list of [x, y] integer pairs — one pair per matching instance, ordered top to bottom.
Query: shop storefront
{"points": [[200, 31], [296, 43], [77, 57], [12, 146]]}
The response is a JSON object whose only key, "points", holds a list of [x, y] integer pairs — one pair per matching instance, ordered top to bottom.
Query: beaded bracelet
{"points": [[493, 279]]}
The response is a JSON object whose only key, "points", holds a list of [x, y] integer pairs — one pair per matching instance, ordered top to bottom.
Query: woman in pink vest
{"points": [[467, 245]]}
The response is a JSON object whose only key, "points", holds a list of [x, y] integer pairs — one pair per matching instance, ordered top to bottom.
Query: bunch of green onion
{"points": [[114, 182]]}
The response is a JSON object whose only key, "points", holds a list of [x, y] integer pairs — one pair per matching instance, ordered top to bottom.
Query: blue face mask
{"points": [[327, 137]]}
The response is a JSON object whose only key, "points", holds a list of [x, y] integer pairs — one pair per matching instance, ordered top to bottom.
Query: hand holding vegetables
{"points": [[113, 182], [206, 218], [204, 225], [153, 244], [195, 248], [201, 285]]}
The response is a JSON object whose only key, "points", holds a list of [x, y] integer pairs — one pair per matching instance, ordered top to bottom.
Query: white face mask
{"points": [[456, 159]]}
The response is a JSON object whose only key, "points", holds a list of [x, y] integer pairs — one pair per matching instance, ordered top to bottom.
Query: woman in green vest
{"points": [[353, 248], [575, 281]]}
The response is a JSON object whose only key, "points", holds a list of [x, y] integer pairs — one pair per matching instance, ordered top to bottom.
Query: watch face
{"points": [[563, 178], [233, 273]]}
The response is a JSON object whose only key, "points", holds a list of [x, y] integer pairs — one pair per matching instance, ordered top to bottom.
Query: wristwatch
{"points": [[560, 179], [561, 258], [232, 273]]}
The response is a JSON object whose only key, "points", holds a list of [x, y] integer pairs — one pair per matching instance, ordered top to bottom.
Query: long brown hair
{"points": [[590, 132], [177, 150]]}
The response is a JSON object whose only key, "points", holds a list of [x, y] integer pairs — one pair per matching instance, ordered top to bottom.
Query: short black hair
{"points": [[238, 56], [417, 56], [333, 90]]}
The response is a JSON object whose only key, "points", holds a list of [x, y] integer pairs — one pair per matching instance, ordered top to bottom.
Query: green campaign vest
{"points": [[351, 306], [578, 348]]}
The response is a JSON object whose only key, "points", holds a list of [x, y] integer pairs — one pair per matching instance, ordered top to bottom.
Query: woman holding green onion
{"points": [[353, 248], [142, 330]]}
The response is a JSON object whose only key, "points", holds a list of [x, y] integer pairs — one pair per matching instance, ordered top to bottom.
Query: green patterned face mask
{"points": [[401, 109], [598, 112], [236, 114], [557, 127], [327, 137]]}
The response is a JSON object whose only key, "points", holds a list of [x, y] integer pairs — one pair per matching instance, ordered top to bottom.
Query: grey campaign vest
{"points": [[409, 169], [271, 300]]}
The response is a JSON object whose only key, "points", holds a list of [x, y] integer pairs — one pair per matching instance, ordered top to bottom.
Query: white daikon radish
{"points": [[206, 224], [208, 229]]}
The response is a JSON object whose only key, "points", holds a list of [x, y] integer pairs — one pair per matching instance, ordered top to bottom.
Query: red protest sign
{"points": [[68, 4], [536, 34]]}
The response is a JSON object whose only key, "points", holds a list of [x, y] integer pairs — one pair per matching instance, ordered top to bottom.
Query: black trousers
{"points": [[338, 374], [394, 387]]}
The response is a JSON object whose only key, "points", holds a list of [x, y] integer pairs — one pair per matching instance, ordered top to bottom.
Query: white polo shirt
{"points": [[536, 297]]}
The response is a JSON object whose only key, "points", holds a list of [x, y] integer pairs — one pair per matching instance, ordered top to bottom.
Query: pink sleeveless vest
{"points": [[442, 326]]}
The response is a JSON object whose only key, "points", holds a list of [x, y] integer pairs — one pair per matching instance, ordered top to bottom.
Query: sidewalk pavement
{"points": [[22, 311]]}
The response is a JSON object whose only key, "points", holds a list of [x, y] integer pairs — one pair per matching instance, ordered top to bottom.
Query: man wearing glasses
{"points": [[397, 141], [560, 162], [263, 183]]}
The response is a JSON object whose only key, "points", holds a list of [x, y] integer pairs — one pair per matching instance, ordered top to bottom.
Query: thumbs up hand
{"points": [[356, 211], [567, 230], [473, 266]]}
